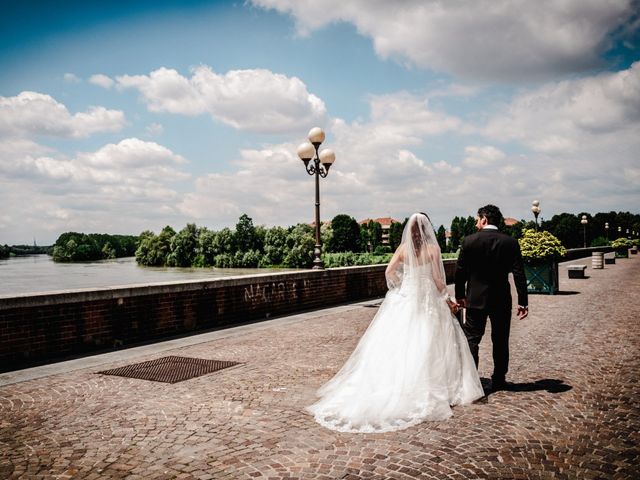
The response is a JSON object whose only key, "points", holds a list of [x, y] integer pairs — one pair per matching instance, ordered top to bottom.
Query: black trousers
{"points": [[474, 327]]}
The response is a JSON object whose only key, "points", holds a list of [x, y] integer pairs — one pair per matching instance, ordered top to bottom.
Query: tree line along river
{"points": [[39, 273]]}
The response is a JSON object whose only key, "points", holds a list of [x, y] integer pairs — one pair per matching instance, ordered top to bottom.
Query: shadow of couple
{"points": [[548, 384]]}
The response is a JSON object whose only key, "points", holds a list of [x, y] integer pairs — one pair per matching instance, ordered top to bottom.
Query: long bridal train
{"points": [[413, 362]]}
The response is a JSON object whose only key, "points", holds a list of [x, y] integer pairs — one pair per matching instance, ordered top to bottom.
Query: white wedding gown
{"points": [[411, 365]]}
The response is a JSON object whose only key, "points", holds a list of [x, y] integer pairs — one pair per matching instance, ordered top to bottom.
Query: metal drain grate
{"points": [[170, 369]]}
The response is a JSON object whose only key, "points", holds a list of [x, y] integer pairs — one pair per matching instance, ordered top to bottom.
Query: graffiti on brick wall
{"points": [[274, 292]]}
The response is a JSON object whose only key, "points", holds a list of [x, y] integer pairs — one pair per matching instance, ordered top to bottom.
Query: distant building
{"points": [[385, 222], [510, 222]]}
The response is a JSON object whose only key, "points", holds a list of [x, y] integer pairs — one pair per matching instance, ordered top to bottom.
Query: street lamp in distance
{"points": [[322, 161], [535, 208], [584, 222], [606, 229]]}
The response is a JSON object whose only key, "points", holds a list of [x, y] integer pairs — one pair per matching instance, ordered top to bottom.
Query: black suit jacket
{"points": [[482, 273]]}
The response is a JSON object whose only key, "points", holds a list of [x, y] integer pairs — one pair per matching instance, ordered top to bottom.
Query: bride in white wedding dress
{"points": [[413, 362]]}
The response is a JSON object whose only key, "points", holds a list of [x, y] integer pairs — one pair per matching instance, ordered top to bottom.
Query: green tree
{"points": [[470, 226], [566, 227], [515, 230], [261, 233], [456, 233], [326, 234], [346, 234], [375, 234], [395, 234], [245, 235], [370, 236], [442, 238], [225, 241], [599, 242], [365, 244], [300, 245], [162, 246], [275, 246], [76, 247], [81, 247], [183, 247], [153, 249], [205, 250], [5, 251], [108, 251], [248, 259], [224, 260]]}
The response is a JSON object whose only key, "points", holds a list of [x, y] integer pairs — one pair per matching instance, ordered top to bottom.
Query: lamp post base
{"points": [[318, 264]]}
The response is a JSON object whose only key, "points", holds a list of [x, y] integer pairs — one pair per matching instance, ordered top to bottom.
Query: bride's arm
{"points": [[437, 270], [392, 271], [439, 278]]}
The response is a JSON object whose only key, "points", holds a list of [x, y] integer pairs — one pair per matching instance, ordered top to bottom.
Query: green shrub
{"points": [[599, 242], [621, 242], [540, 245], [382, 249], [348, 259], [223, 260]]}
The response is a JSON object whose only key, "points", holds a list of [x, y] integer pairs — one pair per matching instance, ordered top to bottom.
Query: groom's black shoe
{"points": [[498, 384]]}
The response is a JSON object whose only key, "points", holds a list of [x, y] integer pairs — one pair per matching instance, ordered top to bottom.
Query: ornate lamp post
{"points": [[320, 168], [535, 208], [584, 222], [606, 229], [619, 231]]}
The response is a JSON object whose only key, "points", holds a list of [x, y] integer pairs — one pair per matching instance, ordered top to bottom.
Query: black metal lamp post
{"points": [[320, 168], [535, 208], [584, 222], [606, 229]]}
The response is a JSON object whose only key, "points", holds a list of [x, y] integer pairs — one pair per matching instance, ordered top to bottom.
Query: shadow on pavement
{"points": [[548, 384]]}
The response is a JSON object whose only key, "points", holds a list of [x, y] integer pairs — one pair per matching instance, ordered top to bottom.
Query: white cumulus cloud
{"points": [[502, 40], [71, 78], [101, 80], [255, 100], [32, 113], [564, 117], [154, 130], [579, 140], [482, 156], [132, 165], [376, 172], [122, 187]]}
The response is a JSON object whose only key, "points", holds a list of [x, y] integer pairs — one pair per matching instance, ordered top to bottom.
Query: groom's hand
{"points": [[462, 302], [522, 312]]}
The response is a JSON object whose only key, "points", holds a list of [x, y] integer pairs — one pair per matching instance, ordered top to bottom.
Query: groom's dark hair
{"points": [[491, 213]]}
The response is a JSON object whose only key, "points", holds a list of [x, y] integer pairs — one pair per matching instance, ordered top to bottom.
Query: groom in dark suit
{"points": [[482, 287]]}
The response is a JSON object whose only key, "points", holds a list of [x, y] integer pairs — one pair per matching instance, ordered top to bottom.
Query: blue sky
{"points": [[124, 116]]}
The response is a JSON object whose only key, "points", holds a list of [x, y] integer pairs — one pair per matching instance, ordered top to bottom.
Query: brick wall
{"points": [[46, 327]]}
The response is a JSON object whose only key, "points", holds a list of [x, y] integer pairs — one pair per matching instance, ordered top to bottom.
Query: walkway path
{"points": [[575, 411]]}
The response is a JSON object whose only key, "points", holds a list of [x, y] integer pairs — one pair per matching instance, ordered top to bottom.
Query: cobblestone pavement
{"points": [[574, 411]]}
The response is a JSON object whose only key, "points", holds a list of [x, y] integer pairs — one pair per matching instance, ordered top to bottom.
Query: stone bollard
{"points": [[597, 260]]}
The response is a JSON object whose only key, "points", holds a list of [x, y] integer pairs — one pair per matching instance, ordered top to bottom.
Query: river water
{"points": [[39, 273]]}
